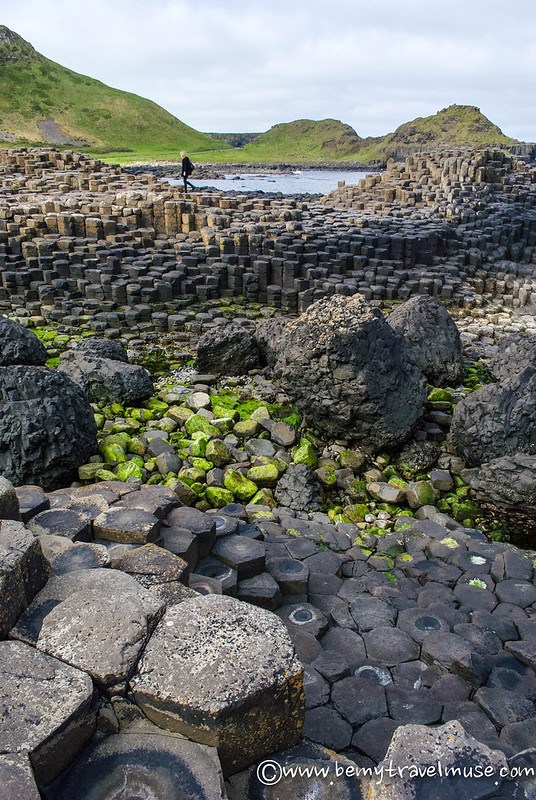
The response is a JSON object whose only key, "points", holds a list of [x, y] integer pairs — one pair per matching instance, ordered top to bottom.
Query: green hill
{"points": [[41, 101], [450, 127], [304, 140]]}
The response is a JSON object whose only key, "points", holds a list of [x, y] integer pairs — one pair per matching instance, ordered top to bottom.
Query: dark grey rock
{"points": [[268, 336], [431, 338], [19, 345], [104, 348], [230, 350], [514, 354], [349, 374], [105, 379], [497, 420], [47, 428], [507, 488], [298, 489], [127, 525], [203, 526], [246, 556], [23, 572], [261, 590], [390, 646], [224, 673], [316, 688], [359, 699], [412, 706], [503, 707], [47, 709], [325, 726], [373, 738]]}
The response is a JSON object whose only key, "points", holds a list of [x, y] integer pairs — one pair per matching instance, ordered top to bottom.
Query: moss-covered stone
{"points": [[440, 396], [156, 405], [142, 414], [180, 414], [100, 419], [199, 423], [224, 424], [246, 428], [122, 439], [136, 446], [198, 446], [218, 452], [304, 453], [113, 454], [352, 459], [202, 463], [128, 469], [88, 472], [105, 475], [191, 475], [264, 476], [241, 487], [182, 490], [421, 493], [218, 497], [263, 497], [356, 513]]}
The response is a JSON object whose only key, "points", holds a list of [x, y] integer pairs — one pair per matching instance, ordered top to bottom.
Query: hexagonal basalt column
{"points": [[23, 572], [225, 674], [47, 710]]}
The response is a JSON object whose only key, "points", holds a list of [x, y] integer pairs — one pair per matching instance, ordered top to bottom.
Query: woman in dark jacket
{"points": [[186, 170]]}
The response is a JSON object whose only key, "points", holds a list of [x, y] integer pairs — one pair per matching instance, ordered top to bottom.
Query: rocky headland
{"points": [[268, 484]]}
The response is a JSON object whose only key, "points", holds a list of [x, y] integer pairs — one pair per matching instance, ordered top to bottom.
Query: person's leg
{"points": [[185, 182], [191, 185]]}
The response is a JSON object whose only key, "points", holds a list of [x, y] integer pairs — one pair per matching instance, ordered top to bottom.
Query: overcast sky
{"points": [[244, 65]]}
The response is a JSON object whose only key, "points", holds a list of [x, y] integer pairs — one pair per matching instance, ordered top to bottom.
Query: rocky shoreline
{"points": [[256, 559]]}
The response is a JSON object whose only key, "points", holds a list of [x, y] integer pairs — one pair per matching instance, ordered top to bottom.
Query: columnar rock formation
{"points": [[80, 238]]}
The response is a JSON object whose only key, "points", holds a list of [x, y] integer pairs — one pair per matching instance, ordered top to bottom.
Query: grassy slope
{"points": [[34, 88], [452, 126], [297, 142]]}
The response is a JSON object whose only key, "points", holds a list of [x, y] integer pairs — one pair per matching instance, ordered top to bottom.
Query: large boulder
{"points": [[268, 335], [432, 339], [19, 345], [105, 348], [231, 350], [515, 353], [349, 373], [106, 380], [497, 420], [47, 428], [507, 488]]}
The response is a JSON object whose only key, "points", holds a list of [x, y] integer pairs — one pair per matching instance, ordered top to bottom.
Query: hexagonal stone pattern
{"points": [[23, 572], [97, 620], [223, 673], [47, 709], [144, 765]]}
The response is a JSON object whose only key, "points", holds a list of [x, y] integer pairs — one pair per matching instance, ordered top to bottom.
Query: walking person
{"points": [[186, 170]]}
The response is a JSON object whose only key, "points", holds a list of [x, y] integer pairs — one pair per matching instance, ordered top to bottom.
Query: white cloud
{"points": [[234, 65]]}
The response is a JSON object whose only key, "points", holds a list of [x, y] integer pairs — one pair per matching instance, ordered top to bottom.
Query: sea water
{"points": [[310, 181]]}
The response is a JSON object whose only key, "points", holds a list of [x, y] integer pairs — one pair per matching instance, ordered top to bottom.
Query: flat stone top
{"points": [[212, 651], [38, 694]]}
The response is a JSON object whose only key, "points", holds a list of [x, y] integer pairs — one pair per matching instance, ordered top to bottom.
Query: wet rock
{"points": [[431, 339], [19, 345], [231, 350], [349, 374], [106, 380], [497, 420], [47, 428], [507, 488], [23, 572], [261, 590], [99, 620], [224, 674], [47, 709], [139, 764]]}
